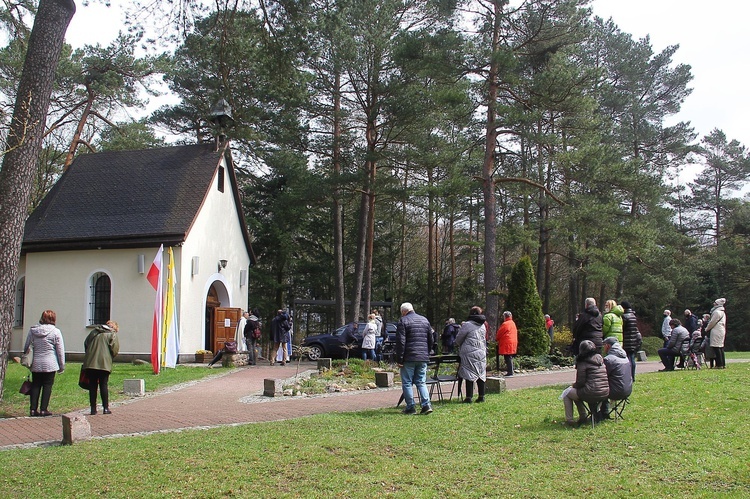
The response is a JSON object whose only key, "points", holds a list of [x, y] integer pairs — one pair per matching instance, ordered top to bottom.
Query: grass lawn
{"points": [[68, 396], [685, 435]]}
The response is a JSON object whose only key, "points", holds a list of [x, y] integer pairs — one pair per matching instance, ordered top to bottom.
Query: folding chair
{"points": [[438, 379], [618, 407], [592, 410]]}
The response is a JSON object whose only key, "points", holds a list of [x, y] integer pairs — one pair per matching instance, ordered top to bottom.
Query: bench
{"points": [[435, 379]]}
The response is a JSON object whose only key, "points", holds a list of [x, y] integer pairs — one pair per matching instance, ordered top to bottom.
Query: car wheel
{"points": [[314, 352]]}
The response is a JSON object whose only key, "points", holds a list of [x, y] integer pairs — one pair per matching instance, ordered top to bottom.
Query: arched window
{"points": [[20, 297], [100, 297]]}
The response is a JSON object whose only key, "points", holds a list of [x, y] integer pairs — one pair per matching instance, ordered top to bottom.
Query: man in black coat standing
{"points": [[588, 326], [280, 335], [414, 342]]}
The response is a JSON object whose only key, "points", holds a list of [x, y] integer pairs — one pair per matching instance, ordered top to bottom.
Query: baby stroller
{"points": [[695, 355]]}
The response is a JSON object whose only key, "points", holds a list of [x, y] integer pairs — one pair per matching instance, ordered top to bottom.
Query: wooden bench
{"points": [[435, 379]]}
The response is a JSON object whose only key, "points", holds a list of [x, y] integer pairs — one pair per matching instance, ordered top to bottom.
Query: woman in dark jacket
{"points": [[101, 347], [49, 358], [591, 383]]}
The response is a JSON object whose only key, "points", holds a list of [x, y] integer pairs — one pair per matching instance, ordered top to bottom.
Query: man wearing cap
{"points": [[618, 373]]}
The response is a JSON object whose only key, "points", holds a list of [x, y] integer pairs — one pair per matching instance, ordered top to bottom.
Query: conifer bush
{"points": [[526, 306]]}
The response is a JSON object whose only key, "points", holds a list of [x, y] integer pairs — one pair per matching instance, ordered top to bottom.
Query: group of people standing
{"points": [[617, 321], [707, 333], [415, 341], [101, 346]]}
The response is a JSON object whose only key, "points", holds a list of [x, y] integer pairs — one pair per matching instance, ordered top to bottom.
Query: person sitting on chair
{"points": [[674, 345], [618, 374], [591, 383]]}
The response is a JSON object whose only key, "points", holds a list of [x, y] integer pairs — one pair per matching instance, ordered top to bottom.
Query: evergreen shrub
{"points": [[526, 306], [651, 344]]}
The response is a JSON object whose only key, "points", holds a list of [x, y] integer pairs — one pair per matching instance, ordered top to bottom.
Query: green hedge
{"points": [[651, 345]]}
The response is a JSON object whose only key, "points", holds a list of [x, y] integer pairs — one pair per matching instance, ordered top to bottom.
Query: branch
{"points": [[527, 182]]}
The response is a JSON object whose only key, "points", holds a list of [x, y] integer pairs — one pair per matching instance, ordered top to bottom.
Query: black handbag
{"points": [[83, 379], [25, 387]]}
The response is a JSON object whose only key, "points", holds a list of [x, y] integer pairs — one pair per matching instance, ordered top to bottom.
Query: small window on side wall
{"points": [[221, 179], [20, 298], [100, 298]]}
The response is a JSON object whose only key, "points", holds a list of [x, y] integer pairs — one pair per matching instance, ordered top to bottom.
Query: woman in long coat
{"points": [[717, 328], [507, 340], [101, 347], [472, 349]]}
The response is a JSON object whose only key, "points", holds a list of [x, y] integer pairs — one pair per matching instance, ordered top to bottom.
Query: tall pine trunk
{"points": [[24, 143], [488, 184], [338, 216]]}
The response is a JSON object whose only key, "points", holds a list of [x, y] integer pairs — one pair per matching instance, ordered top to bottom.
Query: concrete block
{"points": [[641, 356], [324, 363], [384, 379], [494, 384], [134, 387], [272, 387], [76, 428]]}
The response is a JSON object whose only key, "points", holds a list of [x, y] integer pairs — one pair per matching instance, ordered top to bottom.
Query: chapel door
{"points": [[225, 325]]}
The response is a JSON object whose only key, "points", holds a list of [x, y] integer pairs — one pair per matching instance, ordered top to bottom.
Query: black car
{"points": [[331, 345]]}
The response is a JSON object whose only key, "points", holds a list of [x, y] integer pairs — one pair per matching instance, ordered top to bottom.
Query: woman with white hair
{"points": [[717, 328]]}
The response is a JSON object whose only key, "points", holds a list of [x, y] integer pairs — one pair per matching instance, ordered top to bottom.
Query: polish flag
{"points": [[154, 277]]}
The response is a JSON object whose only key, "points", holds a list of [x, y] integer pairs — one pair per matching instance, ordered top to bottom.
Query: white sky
{"points": [[713, 38]]}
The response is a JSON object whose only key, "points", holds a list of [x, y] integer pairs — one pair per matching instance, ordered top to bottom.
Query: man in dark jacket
{"points": [[588, 326], [280, 334], [631, 337], [414, 342], [674, 346]]}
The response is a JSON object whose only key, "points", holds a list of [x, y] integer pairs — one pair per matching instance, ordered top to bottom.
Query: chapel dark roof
{"points": [[127, 199]]}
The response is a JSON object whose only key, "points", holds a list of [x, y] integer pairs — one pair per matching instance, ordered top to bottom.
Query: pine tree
{"points": [[526, 306]]}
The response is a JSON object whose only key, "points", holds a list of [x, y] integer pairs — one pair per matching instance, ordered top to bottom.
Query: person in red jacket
{"points": [[507, 340]]}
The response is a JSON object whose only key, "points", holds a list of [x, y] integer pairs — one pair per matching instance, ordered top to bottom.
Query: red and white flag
{"points": [[154, 277]]}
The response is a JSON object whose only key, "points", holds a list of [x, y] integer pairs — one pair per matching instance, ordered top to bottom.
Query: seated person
{"points": [[674, 345], [618, 373], [591, 383]]}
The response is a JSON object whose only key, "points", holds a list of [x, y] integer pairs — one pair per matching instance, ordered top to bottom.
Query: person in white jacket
{"points": [[717, 328], [666, 329], [369, 339]]}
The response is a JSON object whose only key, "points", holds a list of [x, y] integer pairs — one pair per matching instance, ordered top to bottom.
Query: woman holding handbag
{"points": [[101, 347], [49, 358]]}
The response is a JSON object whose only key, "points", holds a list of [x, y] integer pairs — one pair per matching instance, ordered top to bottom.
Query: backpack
{"points": [[252, 330]]}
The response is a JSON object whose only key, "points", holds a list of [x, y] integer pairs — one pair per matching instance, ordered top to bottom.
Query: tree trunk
{"points": [[24, 142], [488, 185], [338, 216], [452, 250], [359, 262], [430, 298]]}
